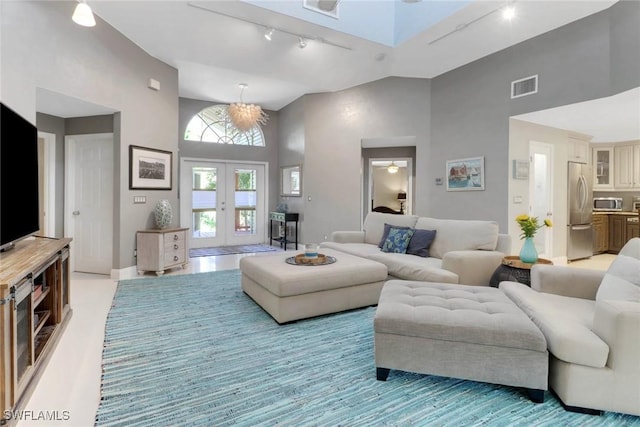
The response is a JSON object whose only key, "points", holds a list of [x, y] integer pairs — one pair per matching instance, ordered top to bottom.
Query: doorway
{"points": [[47, 181], [390, 185], [541, 193], [89, 201], [223, 203]]}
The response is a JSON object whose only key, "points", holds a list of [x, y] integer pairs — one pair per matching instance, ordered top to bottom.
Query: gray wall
{"points": [[43, 48], [471, 105], [459, 114], [334, 125]]}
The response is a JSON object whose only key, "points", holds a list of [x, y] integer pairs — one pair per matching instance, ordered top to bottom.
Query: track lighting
{"points": [[83, 15], [268, 34], [302, 43]]}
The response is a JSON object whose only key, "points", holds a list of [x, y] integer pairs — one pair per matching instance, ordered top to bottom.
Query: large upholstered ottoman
{"points": [[292, 292], [469, 332]]}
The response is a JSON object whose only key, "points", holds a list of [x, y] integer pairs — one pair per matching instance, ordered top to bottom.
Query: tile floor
{"points": [[71, 380]]}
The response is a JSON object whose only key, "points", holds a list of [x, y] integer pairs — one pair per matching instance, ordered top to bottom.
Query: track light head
{"points": [[83, 15], [268, 34], [302, 43]]}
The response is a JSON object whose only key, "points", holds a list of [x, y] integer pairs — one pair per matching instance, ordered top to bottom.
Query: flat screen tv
{"points": [[19, 210]]}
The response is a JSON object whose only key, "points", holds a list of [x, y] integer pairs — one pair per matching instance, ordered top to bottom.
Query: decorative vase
{"points": [[163, 213], [528, 253]]}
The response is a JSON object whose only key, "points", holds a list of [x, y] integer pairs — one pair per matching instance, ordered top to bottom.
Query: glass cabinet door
{"points": [[602, 167], [23, 334]]}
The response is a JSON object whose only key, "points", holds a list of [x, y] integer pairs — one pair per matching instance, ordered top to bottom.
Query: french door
{"points": [[223, 203]]}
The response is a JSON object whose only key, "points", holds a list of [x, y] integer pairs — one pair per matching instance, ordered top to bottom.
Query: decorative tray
{"points": [[300, 259]]}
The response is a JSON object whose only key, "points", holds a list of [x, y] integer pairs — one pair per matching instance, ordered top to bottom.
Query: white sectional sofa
{"points": [[463, 251], [591, 322]]}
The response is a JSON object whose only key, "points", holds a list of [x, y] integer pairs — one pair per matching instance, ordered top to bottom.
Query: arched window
{"points": [[213, 125]]}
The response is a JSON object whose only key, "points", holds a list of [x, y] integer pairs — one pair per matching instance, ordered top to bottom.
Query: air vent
{"points": [[524, 87]]}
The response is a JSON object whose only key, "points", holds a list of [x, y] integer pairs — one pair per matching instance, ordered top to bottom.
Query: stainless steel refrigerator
{"points": [[580, 232]]}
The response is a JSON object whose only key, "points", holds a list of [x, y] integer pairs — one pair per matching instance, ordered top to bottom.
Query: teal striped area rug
{"points": [[194, 350]]}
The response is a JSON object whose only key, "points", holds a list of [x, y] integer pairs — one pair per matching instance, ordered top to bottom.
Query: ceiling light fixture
{"points": [[508, 13], [83, 15], [270, 30], [268, 34], [302, 43], [246, 116], [392, 168]]}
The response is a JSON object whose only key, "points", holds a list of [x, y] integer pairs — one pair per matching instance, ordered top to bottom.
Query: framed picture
{"points": [[326, 7], [149, 169], [520, 169], [465, 174]]}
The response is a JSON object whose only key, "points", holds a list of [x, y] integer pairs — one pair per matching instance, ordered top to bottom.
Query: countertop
{"points": [[614, 213]]}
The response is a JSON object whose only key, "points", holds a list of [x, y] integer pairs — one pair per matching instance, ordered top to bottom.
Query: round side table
{"points": [[514, 270]]}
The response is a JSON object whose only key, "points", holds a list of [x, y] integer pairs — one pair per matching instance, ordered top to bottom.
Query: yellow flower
{"points": [[529, 225]]}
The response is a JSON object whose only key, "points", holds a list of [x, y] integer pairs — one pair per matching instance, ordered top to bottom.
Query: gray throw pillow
{"points": [[420, 242]]}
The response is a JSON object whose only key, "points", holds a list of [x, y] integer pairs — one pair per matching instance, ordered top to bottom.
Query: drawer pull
{"points": [[175, 237], [175, 246], [175, 258]]}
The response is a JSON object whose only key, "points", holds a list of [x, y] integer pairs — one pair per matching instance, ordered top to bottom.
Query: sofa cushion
{"points": [[374, 225], [385, 233], [459, 235], [397, 240], [420, 242], [364, 250], [407, 267], [621, 281], [566, 323]]}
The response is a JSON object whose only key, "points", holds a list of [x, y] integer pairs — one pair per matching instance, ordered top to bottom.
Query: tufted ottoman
{"points": [[292, 292], [469, 332]]}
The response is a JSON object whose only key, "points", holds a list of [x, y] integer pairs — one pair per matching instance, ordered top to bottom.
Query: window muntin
{"points": [[212, 124]]}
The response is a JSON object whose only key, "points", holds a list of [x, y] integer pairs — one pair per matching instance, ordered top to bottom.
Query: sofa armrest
{"points": [[347, 237], [472, 267], [566, 281], [617, 323]]}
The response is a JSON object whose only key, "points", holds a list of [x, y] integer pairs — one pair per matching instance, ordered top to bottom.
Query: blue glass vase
{"points": [[528, 253]]}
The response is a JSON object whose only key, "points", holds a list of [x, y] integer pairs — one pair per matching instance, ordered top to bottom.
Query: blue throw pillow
{"points": [[385, 233], [397, 240], [420, 242]]}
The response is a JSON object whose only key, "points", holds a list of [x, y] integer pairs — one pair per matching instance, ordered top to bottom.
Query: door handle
{"points": [[76, 213]]}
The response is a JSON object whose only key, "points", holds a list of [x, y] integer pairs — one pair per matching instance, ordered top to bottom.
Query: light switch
{"points": [[517, 199], [139, 200]]}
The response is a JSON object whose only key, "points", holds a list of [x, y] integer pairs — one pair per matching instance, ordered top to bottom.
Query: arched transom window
{"points": [[213, 125]]}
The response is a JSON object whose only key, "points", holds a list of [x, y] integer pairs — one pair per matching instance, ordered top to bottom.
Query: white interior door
{"points": [[541, 193], [89, 201], [223, 203]]}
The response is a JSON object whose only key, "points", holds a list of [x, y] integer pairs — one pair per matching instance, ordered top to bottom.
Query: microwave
{"points": [[607, 204]]}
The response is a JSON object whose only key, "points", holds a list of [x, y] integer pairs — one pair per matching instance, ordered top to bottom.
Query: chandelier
{"points": [[246, 116]]}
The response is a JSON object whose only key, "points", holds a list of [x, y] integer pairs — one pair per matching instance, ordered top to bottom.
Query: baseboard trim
{"points": [[124, 273]]}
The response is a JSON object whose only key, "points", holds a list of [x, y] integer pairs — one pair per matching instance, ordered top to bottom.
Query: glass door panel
{"points": [[223, 203]]}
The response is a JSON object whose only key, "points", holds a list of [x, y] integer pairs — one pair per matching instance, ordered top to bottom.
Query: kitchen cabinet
{"points": [[578, 150], [626, 166], [602, 168], [633, 230], [617, 232], [600, 233]]}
